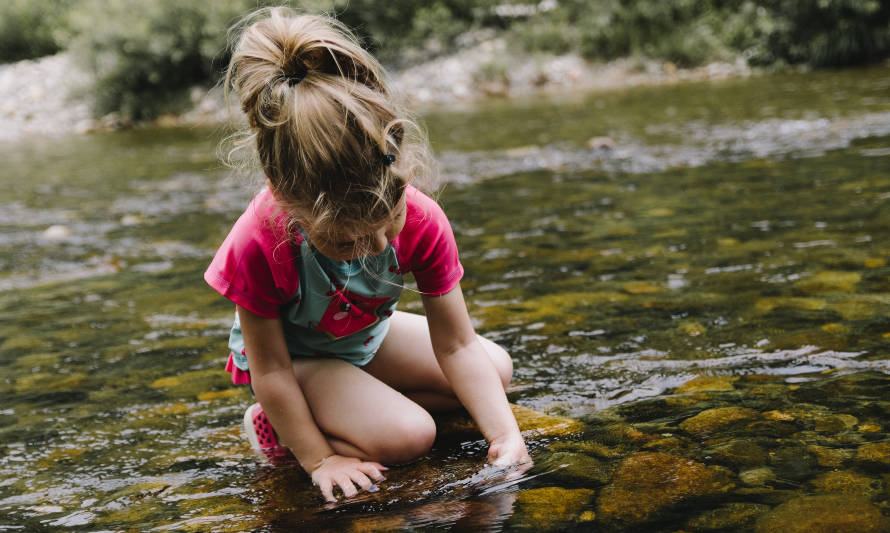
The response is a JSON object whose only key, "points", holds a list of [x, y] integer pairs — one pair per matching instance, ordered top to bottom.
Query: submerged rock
{"points": [[829, 281], [765, 305], [708, 384], [712, 419], [531, 423], [835, 423], [590, 447], [739, 452], [874, 452], [577, 467], [757, 477], [649, 482], [848, 482], [550, 508], [824, 513], [729, 517]]}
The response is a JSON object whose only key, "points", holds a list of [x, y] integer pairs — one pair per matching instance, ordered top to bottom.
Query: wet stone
{"points": [[829, 281], [641, 287], [765, 305], [22, 343], [707, 384], [711, 420], [532, 423], [836, 423], [590, 447], [739, 452], [874, 452], [829, 457], [792, 462], [577, 467], [757, 477], [848, 482], [647, 483], [550, 508], [824, 513], [729, 517]]}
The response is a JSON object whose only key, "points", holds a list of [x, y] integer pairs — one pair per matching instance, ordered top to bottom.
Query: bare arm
{"points": [[473, 376], [278, 391]]}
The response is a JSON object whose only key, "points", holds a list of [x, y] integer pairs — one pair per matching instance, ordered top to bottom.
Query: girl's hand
{"points": [[509, 451], [346, 473]]}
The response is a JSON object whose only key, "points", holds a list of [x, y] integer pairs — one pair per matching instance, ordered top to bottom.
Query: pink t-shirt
{"points": [[255, 266]]}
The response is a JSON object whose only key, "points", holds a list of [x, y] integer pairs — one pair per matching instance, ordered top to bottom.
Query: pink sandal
{"points": [[262, 437]]}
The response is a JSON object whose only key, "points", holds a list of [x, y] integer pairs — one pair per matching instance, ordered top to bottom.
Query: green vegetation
{"points": [[31, 28], [820, 33], [145, 53]]}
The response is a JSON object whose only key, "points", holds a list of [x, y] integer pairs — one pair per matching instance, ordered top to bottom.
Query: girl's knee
{"points": [[408, 438]]}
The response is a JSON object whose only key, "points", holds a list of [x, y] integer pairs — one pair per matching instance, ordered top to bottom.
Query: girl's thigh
{"points": [[406, 361], [365, 417]]}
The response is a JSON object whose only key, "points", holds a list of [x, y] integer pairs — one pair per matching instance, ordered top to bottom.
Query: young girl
{"points": [[315, 267]]}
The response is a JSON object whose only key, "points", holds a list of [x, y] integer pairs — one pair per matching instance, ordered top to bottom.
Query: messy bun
{"points": [[334, 145]]}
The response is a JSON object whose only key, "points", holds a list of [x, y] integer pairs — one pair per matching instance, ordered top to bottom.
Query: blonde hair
{"points": [[322, 120]]}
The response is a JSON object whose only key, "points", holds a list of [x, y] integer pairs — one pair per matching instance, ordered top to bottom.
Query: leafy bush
{"points": [[31, 28], [688, 32], [144, 53]]}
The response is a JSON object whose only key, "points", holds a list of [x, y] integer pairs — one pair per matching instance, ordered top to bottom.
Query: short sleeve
{"points": [[426, 246], [254, 267]]}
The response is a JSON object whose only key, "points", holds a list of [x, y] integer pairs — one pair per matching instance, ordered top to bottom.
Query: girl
{"points": [[315, 265]]}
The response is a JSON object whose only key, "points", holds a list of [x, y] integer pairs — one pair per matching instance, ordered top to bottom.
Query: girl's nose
{"points": [[378, 243]]}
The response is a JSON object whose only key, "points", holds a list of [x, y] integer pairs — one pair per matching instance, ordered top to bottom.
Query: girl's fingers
{"points": [[372, 470], [360, 479], [347, 486], [327, 491]]}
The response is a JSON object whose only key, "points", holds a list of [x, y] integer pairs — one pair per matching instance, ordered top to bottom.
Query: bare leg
{"points": [[406, 362], [379, 412], [362, 416]]}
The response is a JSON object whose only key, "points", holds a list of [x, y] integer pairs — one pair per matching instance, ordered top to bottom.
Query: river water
{"points": [[700, 304]]}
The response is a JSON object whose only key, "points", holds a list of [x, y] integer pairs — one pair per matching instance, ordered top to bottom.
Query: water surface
{"points": [[710, 298]]}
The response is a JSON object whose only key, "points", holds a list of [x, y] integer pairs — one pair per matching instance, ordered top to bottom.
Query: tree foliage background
{"points": [[145, 53]]}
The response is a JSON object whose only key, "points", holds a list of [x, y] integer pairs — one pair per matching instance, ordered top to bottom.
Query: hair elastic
{"points": [[296, 76], [388, 159]]}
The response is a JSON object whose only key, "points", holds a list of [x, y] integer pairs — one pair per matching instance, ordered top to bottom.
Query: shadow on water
{"points": [[699, 320]]}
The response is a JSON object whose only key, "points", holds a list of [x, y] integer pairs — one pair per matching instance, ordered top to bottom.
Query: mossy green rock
{"points": [[829, 281], [707, 384], [711, 420], [532, 423], [835, 423], [739, 452], [874, 452], [577, 467], [757, 477], [649, 482], [848, 482], [549, 508], [824, 513], [729, 517]]}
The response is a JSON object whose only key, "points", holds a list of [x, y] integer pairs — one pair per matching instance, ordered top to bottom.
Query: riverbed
{"points": [[692, 280]]}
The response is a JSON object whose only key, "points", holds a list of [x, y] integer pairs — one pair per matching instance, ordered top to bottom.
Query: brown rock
{"points": [[707, 384], [713, 419], [874, 452], [848, 482], [647, 483], [549, 508], [825, 513], [730, 517]]}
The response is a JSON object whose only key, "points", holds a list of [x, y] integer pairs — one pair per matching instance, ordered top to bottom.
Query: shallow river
{"points": [[699, 304]]}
